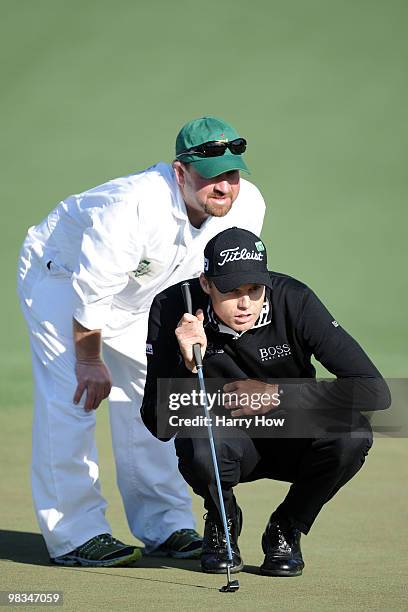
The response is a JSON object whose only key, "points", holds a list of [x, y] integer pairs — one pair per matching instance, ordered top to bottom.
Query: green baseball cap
{"points": [[208, 129]]}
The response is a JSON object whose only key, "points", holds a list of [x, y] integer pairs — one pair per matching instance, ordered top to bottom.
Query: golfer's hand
{"points": [[190, 331], [93, 378], [249, 397]]}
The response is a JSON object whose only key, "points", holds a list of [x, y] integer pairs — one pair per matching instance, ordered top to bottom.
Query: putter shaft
{"points": [[232, 585]]}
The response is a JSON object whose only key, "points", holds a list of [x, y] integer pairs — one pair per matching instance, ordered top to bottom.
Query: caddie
{"points": [[87, 275], [258, 331]]}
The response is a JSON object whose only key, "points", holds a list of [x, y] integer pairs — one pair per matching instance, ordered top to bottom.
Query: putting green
{"points": [[92, 90], [355, 554]]}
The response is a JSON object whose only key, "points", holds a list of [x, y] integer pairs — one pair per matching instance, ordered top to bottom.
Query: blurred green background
{"points": [[91, 90]]}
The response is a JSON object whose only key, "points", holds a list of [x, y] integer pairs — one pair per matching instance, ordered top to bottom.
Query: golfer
{"points": [[87, 275], [258, 331]]}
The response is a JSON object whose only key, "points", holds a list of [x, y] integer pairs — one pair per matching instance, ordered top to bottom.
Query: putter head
{"points": [[230, 587]]}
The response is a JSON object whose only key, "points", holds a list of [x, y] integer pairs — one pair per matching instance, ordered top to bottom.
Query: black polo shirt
{"points": [[293, 326]]}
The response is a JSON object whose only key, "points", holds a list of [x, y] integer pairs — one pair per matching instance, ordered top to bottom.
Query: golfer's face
{"points": [[240, 308]]}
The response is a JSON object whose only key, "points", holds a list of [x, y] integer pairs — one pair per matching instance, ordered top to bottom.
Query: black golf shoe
{"points": [[281, 545], [214, 556]]}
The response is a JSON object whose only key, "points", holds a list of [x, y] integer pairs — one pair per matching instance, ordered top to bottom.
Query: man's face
{"points": [[206, 197], [238, 309]]}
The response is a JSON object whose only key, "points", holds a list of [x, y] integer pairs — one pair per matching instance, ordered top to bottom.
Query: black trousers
{"points": [[316, 467]]}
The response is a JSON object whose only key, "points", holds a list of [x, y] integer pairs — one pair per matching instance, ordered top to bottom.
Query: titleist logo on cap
{"points": [[235, 255]]}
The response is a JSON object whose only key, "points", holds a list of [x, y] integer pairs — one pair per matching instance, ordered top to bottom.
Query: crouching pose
{"points": [[271, 418]]}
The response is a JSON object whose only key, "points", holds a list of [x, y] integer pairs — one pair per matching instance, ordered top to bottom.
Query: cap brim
{"points": [[208, 167], [229, 282]]}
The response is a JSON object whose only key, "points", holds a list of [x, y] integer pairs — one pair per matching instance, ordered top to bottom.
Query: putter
{"points": [[232, 585]]}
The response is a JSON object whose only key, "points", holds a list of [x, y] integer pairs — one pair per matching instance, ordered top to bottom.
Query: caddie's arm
{"points": [[190, 331], [92, 374]]}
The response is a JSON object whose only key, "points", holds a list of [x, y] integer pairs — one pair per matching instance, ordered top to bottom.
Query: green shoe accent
{"points": [[182, 544], [101, 551]]}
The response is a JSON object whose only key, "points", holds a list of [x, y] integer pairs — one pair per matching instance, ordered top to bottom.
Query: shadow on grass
{"points": [[25, 547], [29, 548]]}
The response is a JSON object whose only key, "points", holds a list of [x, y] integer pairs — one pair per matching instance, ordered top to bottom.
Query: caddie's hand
{"points": [[190, 331], [93, 377], [249, 397]]}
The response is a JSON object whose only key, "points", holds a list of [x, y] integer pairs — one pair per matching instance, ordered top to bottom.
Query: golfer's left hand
{"points": [[249, 397]]}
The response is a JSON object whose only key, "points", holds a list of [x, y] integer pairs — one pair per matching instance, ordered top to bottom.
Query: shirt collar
{"points": [[179, 210], [265, 317]]}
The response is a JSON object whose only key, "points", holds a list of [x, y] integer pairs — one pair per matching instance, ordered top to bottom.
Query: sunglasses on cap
{"points": [[215, 148]]}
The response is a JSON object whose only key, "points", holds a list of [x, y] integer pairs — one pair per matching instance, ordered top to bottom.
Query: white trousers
{"points": [[65, 477]]}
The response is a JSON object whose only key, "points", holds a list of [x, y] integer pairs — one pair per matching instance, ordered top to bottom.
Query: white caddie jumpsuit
{"points": [[101, 256]]}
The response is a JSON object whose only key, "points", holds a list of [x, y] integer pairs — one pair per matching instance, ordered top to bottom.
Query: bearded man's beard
{"points": [[217, 210]]}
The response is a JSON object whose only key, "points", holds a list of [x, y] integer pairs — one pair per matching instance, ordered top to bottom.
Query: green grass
{"points": [[95, 89], [355, 554]]}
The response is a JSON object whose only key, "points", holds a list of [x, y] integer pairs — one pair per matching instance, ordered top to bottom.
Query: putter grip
{"points": [[185, 288]]}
